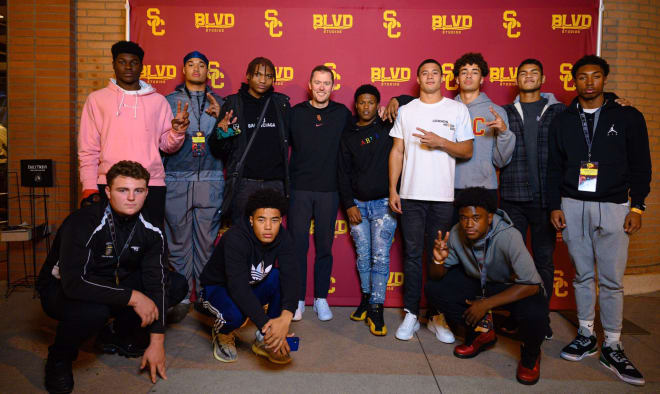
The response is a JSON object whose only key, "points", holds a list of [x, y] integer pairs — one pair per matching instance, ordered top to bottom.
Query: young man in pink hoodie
{"points": [[128, 120]]}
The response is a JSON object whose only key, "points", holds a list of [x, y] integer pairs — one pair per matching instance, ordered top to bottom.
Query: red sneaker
{"points": [[480, 343], [529, 376]]}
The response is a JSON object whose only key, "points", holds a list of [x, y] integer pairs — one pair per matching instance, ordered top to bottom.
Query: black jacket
{"points": [[315, 136], [620, 146], [231, 149], [362, 171], [84, 257], [240, 260]]}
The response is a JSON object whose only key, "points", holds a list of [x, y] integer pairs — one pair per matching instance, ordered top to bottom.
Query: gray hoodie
{"points": [[487, 152], [507, 258]]}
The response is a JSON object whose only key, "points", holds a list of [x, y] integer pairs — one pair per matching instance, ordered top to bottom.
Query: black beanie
{"points": [[126, 47], [370, 89]]}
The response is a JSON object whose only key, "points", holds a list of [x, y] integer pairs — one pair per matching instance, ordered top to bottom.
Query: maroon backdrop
{"points": [[379, 42]]}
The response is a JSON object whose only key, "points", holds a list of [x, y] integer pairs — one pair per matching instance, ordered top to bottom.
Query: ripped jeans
{"points": [[373, 240]]}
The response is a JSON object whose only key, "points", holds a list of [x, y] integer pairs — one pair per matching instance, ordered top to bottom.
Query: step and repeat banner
{"points": [[377, 42]]}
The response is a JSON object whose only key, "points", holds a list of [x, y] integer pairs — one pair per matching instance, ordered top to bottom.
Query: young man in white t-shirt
{"points": [[429, 134]]}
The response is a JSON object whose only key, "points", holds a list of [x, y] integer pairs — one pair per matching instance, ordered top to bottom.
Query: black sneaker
{"points": [[361, 311], [178, 312], [375, 320], [109, 342], [580, 348], [615, 360], [59, 375]]}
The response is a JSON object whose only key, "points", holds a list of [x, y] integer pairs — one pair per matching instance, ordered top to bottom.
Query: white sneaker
{"points": [[322, 309], [299, 311], [439, 327], [407, 328]]}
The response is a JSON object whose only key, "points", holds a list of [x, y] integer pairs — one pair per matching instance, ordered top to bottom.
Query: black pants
{"points": [[244, 189], [154, 205], [303, 205], [420, 223], [543, 235], [448, 296], [79, 320]]}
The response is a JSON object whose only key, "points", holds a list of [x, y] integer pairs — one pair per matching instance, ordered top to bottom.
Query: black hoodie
{"points": [[315, 136], [620, 146], [363, 162], [240, 260]]}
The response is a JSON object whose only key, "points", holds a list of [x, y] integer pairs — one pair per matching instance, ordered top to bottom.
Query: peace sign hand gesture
{"points": [[214, 107], [180, 122], [225, 122], [498, 124], [440, 247]]}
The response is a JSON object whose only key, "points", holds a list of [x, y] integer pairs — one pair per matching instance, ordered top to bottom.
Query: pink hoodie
{"points": [[118, 124]]}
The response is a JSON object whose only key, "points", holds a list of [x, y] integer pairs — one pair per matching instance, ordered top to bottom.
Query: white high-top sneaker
{"points": [[299, 311], [438, 325], [408, 327]]}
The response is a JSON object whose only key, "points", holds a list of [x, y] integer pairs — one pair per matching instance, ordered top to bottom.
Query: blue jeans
{"points": [[373, 240], [228, 316]]}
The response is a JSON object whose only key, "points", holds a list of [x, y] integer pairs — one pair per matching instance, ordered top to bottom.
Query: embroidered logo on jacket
{"points": [[612, 131], [258, 273]]}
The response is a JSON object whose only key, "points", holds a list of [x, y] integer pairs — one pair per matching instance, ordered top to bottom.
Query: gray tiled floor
{"points": [[335, 357]]}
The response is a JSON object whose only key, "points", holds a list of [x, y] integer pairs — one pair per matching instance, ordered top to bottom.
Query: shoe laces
{"points": [[409, 320], [226, 339], [580, 340], [620, 357]]}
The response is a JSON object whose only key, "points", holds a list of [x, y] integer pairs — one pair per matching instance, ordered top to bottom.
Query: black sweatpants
{"points": [[303, 205], [448, 296], [79, 320]]}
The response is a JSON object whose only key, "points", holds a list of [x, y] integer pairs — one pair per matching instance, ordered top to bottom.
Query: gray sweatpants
{"points": [[191, 225], [596, 242]]}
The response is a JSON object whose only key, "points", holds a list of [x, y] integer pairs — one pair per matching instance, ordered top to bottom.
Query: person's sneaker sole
{"points": [[360, 317], [372, 329], [483, 347], [109, 348], [259, 352], [217, 355], [573, 357], [626, 379], [526, 382]]}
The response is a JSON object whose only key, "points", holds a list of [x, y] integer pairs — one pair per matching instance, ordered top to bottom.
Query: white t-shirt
{"points": [[428, 174]]}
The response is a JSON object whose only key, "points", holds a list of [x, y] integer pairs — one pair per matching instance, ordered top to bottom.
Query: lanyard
{"points": [[201, 107], [585, 128], [111, 226], [483, 269]]}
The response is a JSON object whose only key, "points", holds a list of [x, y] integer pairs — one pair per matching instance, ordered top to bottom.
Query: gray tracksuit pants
{"points": [[191, 225], [596, 242]]}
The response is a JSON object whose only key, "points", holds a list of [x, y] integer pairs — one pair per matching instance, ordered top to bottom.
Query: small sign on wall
{"points": [[37, 173]]}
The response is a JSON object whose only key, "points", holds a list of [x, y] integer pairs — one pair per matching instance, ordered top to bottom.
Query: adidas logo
{"points": [[258, 273]]}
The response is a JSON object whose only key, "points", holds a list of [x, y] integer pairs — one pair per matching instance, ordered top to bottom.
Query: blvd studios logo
{"points": [[214, 22], [332, 23], [571, 23], [451, 24], [158, 73], [283, 74], [390, 76], [505, 76]]}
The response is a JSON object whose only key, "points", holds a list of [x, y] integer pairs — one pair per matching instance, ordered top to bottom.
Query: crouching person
{"points": [[107, 261], [483, 264], [241, 277]]}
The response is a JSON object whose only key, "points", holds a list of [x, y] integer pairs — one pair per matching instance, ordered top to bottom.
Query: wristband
{"points": [[636, 210], [436, 262]]}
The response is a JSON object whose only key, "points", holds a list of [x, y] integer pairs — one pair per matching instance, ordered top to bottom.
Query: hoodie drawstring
{"points": [[123, 94], [121, 103], [135, 108]]}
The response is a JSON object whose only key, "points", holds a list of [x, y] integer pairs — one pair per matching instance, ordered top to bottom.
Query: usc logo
{"points": [[389, 16], [155, 21], [214, 22], [577, 22], [273, 23], [511, 23], [334, 24], [456, 26], [158, 73], [448, 74], [215, 75], [337, 76], [392, 76], [506, 77], [566, 77], [332, 282], [559, 284]]}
